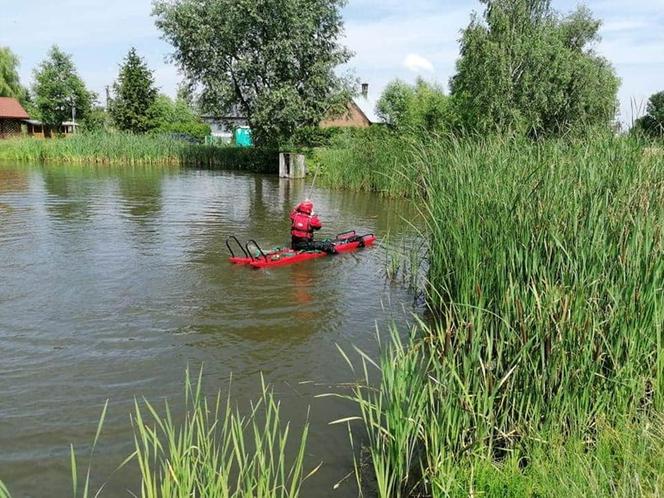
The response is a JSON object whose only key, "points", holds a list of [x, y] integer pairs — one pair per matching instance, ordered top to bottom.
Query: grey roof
{"points": [[368, 107]]}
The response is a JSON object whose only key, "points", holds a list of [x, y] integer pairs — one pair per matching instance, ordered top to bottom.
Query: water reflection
{"points": [[141, 194], [114, 280]]}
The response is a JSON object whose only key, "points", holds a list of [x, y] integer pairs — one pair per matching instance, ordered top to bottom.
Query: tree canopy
{"points": [[274, 60], [525, 67], [10, 84], [58, 89], [134, 95], [423, 105], [177, 117], [653, 122]]}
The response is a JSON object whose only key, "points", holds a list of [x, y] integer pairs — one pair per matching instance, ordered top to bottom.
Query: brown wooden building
{"points": [[12, 116]]}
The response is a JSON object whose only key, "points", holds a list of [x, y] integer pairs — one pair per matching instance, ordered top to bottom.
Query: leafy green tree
{"points": [[273, 60], [525, 67], [10, 84], [58, 89], [134, 95], [395, 104], [422, 105], [176, 117], [97, 119], [653, 122]]}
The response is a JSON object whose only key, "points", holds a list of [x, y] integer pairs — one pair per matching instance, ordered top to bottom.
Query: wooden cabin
{"points": [[12, 116]]}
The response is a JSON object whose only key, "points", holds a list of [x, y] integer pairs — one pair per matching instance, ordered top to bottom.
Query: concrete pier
{"points": [[292, 165]]}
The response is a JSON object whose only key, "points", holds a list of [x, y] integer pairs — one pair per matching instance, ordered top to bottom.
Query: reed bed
{"points": [[129, 149], [372, 160], [544, 283], [213, 451], [216, 451]]}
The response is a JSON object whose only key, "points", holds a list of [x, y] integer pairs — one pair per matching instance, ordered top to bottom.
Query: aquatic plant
{"points": [[130, 149], [544, 283], [214, 452]]}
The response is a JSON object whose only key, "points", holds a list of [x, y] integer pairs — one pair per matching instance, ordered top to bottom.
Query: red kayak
{"points": [[345, 242]]}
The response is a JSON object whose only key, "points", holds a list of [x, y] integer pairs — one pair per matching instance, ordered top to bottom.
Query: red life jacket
{"points": [[304, 224]]}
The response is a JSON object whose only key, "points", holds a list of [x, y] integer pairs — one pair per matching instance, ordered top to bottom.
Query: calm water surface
{"points": [[112, 281]]}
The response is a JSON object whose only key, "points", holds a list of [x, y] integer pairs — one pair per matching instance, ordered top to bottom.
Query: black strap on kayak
{"points": [[346, 235], [233, 238], [355, 238]]}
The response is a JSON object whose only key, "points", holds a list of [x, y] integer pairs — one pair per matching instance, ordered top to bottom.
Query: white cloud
{"points": [[416, 63]]}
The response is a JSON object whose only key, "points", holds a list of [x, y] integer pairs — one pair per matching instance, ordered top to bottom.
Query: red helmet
{"points": [[306, 207]]}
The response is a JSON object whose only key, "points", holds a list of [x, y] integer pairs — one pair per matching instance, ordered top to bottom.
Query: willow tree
{"points": [[272, 61], [525, 67], [10, 84]]}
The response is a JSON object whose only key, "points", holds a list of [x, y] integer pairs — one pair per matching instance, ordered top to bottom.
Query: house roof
{"points": [[368, 106], [11, 108]]}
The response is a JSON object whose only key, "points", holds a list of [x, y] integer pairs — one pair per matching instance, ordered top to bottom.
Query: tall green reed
{"points": [[129, 149], [544, 281], [213, 451], [217, 452]]}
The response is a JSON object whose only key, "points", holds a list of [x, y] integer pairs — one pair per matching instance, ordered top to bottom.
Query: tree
{"points": [[274, 59], [527, 68], [10, 84], [58, 89], [134, 95], [423, 105], [176, 117], [653, 122]]}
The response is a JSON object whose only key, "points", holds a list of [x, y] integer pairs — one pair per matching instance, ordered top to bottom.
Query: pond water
{"points": [[113, 281]]}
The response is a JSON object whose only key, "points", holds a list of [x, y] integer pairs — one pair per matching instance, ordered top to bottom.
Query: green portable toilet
{"points": [[243, 137]]}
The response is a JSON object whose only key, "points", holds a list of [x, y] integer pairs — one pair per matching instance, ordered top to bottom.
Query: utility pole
{"points": [[73, 114]]}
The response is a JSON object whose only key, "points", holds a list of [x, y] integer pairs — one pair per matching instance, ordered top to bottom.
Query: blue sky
{"points": [[391, 38]]}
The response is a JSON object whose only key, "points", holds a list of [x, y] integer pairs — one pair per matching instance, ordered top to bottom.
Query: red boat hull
{"points": [[288, 256]]}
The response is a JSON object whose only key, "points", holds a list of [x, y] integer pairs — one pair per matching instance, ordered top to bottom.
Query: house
{"points": [[359, 113], [12, 116], [69, 127], [223, 127], [37, 129]]}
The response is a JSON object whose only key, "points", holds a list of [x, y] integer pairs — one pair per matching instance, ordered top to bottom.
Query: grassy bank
{"points": [[118, 148], [545, 271]]}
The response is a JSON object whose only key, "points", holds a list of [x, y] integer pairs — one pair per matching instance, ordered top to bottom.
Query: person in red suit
{"points": [[304, 222]]}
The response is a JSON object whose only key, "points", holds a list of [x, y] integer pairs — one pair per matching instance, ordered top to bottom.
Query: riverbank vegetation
{"points": [[127, 148], [545, 262], [540, 365]]}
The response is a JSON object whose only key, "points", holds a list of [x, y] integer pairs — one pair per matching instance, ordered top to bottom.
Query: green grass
{"points": [[128, 149]]}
